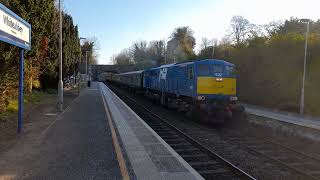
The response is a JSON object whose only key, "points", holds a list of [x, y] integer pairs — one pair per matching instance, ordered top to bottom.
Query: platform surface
{"points": [[293, 118], [80, 144], [76, 145], [149, 155]]}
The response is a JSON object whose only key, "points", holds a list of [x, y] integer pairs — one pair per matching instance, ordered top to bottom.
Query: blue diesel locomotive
{"points": [[206, 87]]}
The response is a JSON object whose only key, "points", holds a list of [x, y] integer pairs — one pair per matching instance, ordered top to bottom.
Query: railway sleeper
{"points": [[156, 125], [161, 129], [166, 133], [165, 137], [176, 140], [180, 143], [181, 146], [188, 151], [268, 151], [194, 155], [280, 158], [198, 159], [203, 163], [297, 164], [307, 167], [213, 171], [314, 173]]}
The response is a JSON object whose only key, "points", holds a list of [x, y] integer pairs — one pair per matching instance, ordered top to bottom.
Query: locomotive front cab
{"points": [[216, 81]]}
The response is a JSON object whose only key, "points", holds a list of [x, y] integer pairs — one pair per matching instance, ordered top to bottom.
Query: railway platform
{"points": [[286, 117], [96, 137], [149, 155]]}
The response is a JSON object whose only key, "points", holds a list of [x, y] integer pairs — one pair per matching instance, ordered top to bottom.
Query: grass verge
{"points": [[33, 98]]}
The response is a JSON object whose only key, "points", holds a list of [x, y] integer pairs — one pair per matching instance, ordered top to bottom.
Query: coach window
{"points": [[203, 70], [190, 72]]}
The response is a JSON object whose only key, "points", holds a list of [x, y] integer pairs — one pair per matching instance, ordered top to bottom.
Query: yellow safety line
{"points": [[122, 164]]}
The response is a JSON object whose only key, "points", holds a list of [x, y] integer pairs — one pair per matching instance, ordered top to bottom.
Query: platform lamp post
{"points": [[81, 38], [87, 65], [304, 65], [87, 75], [60, 83]]}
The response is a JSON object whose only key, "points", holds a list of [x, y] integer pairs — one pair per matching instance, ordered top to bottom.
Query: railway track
{"points": [[206, 162], [304, 164]]}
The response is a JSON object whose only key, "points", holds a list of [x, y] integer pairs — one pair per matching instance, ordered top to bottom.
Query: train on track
{"points": [[204, 88]]}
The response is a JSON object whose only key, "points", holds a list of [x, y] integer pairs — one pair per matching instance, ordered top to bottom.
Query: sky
{"points": [[116, 24]]}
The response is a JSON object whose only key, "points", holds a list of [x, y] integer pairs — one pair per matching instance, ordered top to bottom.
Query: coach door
{"points": [[190, 81]]}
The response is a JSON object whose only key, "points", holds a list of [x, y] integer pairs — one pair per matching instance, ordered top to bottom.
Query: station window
{"points": [[218, 68], [203, 69], [190, 72]]}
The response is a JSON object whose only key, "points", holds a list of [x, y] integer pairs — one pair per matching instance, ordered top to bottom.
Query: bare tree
{"points": [[272, 27], [240, 28], [256, 31], [225, 41], [204, 43], [139, 52], [156, 52], [123, 58]]}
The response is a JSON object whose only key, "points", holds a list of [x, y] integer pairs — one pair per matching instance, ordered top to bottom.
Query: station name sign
{"points": [[13, 29]]}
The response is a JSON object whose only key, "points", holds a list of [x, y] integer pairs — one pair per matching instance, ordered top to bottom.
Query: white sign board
{"points": [[13, 29]]}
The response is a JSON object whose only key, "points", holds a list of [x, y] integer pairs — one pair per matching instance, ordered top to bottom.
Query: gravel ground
{"points": [[218, 139], [292, 140]]}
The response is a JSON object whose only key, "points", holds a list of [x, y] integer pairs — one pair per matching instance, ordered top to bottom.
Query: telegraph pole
{"points": [[213, 49], [87, 65], [304, 66], [60, 84]]}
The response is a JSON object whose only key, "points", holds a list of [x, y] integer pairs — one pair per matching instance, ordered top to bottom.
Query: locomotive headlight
{"points": [[219, 79], [201, 98], [233, 98]]}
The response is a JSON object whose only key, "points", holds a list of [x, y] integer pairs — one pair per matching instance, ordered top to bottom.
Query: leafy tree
{"points": [[180, 46], [91, 47], [41, 62], [270, 64]]}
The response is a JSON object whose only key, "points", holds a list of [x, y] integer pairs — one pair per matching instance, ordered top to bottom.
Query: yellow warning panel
{"points": [[216, 85]]}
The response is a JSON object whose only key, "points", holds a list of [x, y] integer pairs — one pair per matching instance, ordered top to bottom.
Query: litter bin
{"points": [[89, 83]]}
